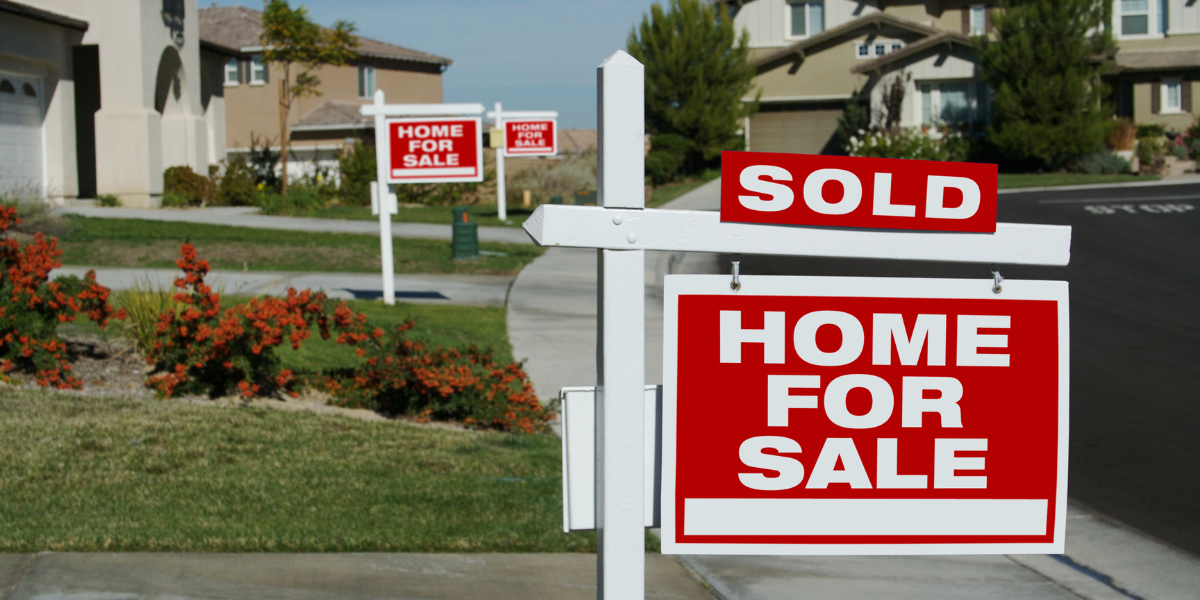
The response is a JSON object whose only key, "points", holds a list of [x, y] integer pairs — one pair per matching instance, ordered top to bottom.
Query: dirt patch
{"points": [[108, 368]]}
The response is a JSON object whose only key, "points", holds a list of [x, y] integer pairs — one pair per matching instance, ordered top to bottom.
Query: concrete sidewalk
{"points": [[240, 216], [479, 290], [552, 324], [185, 576]]}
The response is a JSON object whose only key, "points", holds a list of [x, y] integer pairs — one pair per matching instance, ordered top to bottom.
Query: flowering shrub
{"points": [[907, 143], [32, 307], [203, 348], [402, 376]]}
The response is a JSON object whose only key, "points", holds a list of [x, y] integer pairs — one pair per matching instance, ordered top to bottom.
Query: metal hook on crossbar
{"points": [[996, 279], [736, 284]]}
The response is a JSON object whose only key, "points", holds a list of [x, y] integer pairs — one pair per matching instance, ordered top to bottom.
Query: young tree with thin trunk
{"points": [[290, 40], [1044, 67], [697, 73]]}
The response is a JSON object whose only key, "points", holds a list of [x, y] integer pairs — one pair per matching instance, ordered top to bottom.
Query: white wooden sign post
{"points": [[498, 117], [381, 198], [622, 229]]}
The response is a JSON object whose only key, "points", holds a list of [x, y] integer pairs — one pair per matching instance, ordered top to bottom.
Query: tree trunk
{"points": [[283, 131]]}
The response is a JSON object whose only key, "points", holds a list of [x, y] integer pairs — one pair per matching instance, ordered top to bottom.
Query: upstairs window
{"points": [[1163, 14], [1135, 17], [807, 18], [978, 20], [876, 49], [258, 70], [233, 72], [366, 81]]}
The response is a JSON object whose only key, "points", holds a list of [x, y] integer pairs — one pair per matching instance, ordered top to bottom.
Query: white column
{"points": [[379, 193], [501, 197], [620, 348]]}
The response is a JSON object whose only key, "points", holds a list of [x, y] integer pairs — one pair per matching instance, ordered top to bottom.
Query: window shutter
{"points": [[966, 20], [266, 71], [241, 78], [1185, 95], [1155, 97]]}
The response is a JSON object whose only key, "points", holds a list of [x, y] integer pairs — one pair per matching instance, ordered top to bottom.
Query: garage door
{"points": [[799, 131], [20, 135]]}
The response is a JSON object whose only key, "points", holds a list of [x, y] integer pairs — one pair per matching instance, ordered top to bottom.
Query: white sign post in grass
{"points": [[622, 229]]}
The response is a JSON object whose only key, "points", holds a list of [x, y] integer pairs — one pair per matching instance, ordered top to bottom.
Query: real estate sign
{"points": [[530, 137], [434, 150], [841, 191], [841, 415]]}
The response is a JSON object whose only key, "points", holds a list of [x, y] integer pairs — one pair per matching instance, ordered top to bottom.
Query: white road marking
{"points": [[1108, 200], [1133, 209]]}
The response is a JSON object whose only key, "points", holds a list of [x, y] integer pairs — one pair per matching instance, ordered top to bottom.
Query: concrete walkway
{"points": [[241, 216], [479, 290], [552, 324], [184, 576]]}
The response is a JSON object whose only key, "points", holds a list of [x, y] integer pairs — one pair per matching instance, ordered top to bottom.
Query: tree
{"points": [[290, 39], [1044, 67], [697, 73]]}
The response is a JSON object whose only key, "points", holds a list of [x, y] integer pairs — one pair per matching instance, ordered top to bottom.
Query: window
{"points": [[1163, 14], [1135, 17], [807, 18], [978, 19], [896, 46], [876, 49], [880, 49], [863, 50], [258, 70], [233, 72], [366, 82], [6, 87], [28, 90], [1172, 97], [954, 103]]}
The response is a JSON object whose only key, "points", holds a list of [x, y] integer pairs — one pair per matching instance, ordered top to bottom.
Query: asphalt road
{"points": [[1135, 343]]}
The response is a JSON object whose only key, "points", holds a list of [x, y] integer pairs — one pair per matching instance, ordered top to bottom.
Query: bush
{"points": [[1153, 131], [1123, 135], [908, 143], [1179, 149], [1150, 151], [668, 152], [263, 162], [1102, 163], [357, 167], [562, 177], [237, 187], [194, 188], [175, 200], [300, 200], [107, 201], [143, 303], [32, 307], [203, 348], [404, 377]]}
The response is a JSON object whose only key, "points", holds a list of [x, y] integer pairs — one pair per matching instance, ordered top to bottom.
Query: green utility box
{"points": [[585, 197], [555, 199], [465, 241]]}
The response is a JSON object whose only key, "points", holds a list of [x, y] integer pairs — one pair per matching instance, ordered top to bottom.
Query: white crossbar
{"points": [[421, 110], [524, 114], [703, 231]]}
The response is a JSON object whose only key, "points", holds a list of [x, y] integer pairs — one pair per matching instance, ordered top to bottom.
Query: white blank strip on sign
{"points": [[433, 172], [842, 516]]}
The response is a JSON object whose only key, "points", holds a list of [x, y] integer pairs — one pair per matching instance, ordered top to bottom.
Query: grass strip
{"points": [[1035, 180], [662, 195], [486, 215], [155, 244], [162, 475]]}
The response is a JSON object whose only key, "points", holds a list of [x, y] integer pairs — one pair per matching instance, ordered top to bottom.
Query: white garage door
{"points": [[797, 131], [20, 136]]}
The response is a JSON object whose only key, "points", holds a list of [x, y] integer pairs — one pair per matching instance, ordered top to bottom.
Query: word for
{"points": [[780, 197]]}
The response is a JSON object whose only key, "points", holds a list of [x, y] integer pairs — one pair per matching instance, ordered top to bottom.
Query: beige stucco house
{"points": [[813, 56], [100, 96], [320, 125]]}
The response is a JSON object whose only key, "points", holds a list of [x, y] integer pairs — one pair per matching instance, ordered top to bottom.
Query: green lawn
{"points": [[1033, 180], [662, 195], [485, 215], [155, 244], [112, 474]]}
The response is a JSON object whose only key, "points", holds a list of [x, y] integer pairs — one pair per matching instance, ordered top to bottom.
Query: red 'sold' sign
{"points": [[530, 137], [434, 150], [840, 191], [839, 415]]}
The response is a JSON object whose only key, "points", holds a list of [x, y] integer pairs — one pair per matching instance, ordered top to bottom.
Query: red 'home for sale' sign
{"points": [[530, 137], [434, 150], [841, 191], [839, 415]]}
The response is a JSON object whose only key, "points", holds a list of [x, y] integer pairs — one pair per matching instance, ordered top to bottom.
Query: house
{"points": [[813, 56], [100, 96], [320, 125]]}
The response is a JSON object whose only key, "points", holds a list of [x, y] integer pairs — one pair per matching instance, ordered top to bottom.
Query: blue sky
{"points": [[528, 54]]}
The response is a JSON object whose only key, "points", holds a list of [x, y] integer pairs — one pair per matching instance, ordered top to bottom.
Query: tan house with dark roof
{"points": [[813, 56], [320, 125]]}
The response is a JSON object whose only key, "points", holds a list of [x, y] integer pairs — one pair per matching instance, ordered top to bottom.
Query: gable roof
{"points": [[41, 14], [236, 28], [830, 37], [948, 38], [1154, 60], [334, 115]]}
